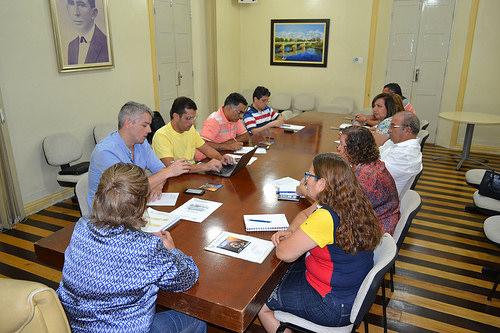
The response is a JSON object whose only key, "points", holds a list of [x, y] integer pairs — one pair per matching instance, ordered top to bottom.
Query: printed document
{"points": [[196, 210]]}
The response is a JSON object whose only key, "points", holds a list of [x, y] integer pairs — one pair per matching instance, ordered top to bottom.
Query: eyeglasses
{"points": [[239, 111], [191, 118], [396, 126], [307, 175]]}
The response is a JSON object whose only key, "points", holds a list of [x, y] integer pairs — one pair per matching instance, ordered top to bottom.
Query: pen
{"points": [[269, 137], [235, 139], [278, 192], [263, 221]]}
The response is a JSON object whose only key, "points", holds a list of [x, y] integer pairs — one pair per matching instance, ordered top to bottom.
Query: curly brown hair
{"points": [[389, 102], [360, 145], [121, 197], [359, 228]]}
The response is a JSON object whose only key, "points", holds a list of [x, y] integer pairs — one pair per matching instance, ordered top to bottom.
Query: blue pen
{"points": [[279, 192], [263, 221]]}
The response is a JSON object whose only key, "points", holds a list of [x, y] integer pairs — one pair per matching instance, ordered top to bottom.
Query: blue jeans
{"points": [[296, 296], [176, 322]]}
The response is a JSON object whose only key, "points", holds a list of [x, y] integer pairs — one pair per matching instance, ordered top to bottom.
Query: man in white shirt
{"points": [[401, 154]]}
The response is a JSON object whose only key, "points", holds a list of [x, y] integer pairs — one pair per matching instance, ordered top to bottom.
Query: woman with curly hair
{"points": [[384, 107], [358, 147], [338, 235], [113, 270]]}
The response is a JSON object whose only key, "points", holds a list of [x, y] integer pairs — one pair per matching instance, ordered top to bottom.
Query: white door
{"points": [[173, 52], [418, 52]]}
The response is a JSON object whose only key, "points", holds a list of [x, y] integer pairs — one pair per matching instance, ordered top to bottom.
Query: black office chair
{"points": [[156, 124]]}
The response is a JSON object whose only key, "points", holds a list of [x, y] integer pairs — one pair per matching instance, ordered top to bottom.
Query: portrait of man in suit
{"points": [[90, 44]]}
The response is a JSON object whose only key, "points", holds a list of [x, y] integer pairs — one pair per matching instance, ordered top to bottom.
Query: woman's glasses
{"points": [[307, 175]]}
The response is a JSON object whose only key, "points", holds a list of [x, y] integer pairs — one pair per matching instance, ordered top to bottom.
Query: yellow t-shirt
{"points": [[169, 143], [319, 226]]}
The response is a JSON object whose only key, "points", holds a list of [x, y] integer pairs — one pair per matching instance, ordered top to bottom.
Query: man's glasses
{"points": [[239, 111], [191, 118], [396, 126], [307, 175]]}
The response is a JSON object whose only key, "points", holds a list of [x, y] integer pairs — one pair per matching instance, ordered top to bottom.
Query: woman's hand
{"points": [[279, 236], [166, 239]]}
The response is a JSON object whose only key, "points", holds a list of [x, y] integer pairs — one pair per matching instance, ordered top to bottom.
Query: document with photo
{"points": [[196, 210], [241, 246]]}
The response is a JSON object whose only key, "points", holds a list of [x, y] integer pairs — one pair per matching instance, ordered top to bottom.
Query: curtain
{"points": [[11, 204]]}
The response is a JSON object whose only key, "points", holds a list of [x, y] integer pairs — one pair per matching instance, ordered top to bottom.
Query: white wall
{"points": [[40, 101]]}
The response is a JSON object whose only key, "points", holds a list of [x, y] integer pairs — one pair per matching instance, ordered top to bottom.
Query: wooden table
{"points": [[471, 119], [230, 291]]}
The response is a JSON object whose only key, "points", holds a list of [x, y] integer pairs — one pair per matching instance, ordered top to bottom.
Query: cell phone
{"points": [[289, 130], [196, 191], [288, 197]]}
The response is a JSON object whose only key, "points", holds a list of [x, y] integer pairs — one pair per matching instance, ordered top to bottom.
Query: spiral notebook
{"points": [[265, 222]]}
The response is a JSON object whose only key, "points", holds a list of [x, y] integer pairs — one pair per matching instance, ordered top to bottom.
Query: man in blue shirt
{"points": [[259, 116], [129, 145]]}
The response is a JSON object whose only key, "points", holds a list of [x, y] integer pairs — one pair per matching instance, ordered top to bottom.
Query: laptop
{"points": [[231, 169]]}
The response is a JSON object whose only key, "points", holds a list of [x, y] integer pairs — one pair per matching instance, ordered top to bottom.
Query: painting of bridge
{"points": [[299, 42]]}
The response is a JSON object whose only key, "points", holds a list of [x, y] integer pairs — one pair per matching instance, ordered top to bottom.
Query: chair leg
{"points": [[392, 271], [492, 292], [384, 309], [366, 325]]}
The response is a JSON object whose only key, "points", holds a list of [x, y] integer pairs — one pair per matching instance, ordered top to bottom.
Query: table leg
{"points": [[467, 143]]}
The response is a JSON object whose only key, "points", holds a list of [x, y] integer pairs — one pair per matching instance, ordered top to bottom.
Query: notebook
{"points": [[231, 169], [158, 221], [265, 222]]}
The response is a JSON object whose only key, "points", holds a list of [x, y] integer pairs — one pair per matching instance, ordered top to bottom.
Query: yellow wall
{"points": [[40, 101]]}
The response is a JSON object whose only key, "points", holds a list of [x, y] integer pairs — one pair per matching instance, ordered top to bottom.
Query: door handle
{"points": [[417, 74], [179, 77]]}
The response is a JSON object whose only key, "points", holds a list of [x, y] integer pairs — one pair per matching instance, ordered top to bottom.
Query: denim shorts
{"points": [[296, 296]]}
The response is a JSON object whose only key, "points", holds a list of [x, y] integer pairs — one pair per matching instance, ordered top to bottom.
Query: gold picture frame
{"points": [[82, 35]]}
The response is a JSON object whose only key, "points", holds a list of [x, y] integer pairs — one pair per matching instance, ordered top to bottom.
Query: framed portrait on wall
{"points": [[82, 35], [300, 42]]}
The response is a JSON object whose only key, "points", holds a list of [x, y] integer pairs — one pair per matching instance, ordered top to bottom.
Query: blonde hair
{"points": [[121, 197]]}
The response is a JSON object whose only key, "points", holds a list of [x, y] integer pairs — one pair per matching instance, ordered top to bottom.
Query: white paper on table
{"points": [[342, 126], [292, 127], [245, 150], [236, 158], [286, 184], [167, 199], [196, 210], [256, 250]]}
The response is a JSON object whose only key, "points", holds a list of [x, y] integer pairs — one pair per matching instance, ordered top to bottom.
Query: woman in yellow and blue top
{"points": [[338, 236]]}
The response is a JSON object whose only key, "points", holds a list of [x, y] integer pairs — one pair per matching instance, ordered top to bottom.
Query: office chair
{"points": [[281, 102], [304, 102], [341, 105], [156, 124], [424, 124], [102, 130], [422, 136], [61, 149], [81, 190], [410, 205], [383, 258], [29, 307]]}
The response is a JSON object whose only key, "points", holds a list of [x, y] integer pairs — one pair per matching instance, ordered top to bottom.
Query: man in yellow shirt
{"points": [[179, 139]]}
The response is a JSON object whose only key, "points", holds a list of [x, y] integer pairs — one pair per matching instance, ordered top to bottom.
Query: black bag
{"points": [[490, 185]]}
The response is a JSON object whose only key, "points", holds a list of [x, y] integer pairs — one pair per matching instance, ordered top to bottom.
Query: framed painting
{"points": [[81, 33], [300, 42]]}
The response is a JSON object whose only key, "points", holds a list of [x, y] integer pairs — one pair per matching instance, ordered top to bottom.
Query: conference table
{"points": [[471, 119], [231, 291]]}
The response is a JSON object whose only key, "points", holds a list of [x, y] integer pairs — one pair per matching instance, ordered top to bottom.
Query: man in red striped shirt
{"points": [[260, 116]]}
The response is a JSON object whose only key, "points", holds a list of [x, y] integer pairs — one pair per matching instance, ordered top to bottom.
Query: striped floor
{"points": [[438, 283]]}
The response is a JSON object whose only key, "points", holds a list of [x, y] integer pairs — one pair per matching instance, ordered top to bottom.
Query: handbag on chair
{"points": [[490, 185]]}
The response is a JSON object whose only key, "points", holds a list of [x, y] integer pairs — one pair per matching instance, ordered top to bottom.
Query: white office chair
{"points": [[247, 93], [281, 102], [304, 102], [341, 105], [287, 114], [424, 124], [102, 130], [422, 137], [61, 149], [473, 177], [81, 190], [409, 207], [491, 228], [383, 259]]}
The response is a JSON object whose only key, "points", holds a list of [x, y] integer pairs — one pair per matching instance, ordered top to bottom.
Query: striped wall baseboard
{"points": [[439, 285]]}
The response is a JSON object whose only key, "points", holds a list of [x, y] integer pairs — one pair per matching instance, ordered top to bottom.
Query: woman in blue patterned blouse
{"points": [[113, 270]]}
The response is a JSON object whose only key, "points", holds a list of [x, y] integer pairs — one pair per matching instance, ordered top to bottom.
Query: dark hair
{"points": [[91, 3], [395, 88], [261, 91], [235, 99], [390, 103], [180, 105], [132, 111], [410, 120], [360, 145], [121, 197], [359, 228]]}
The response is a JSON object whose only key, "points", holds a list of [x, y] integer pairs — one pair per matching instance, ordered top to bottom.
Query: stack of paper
{"points": [[296, 128], [245, 150], [286, 184], [196, 210], [158, 221], [265, 222], [241, 246]]}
